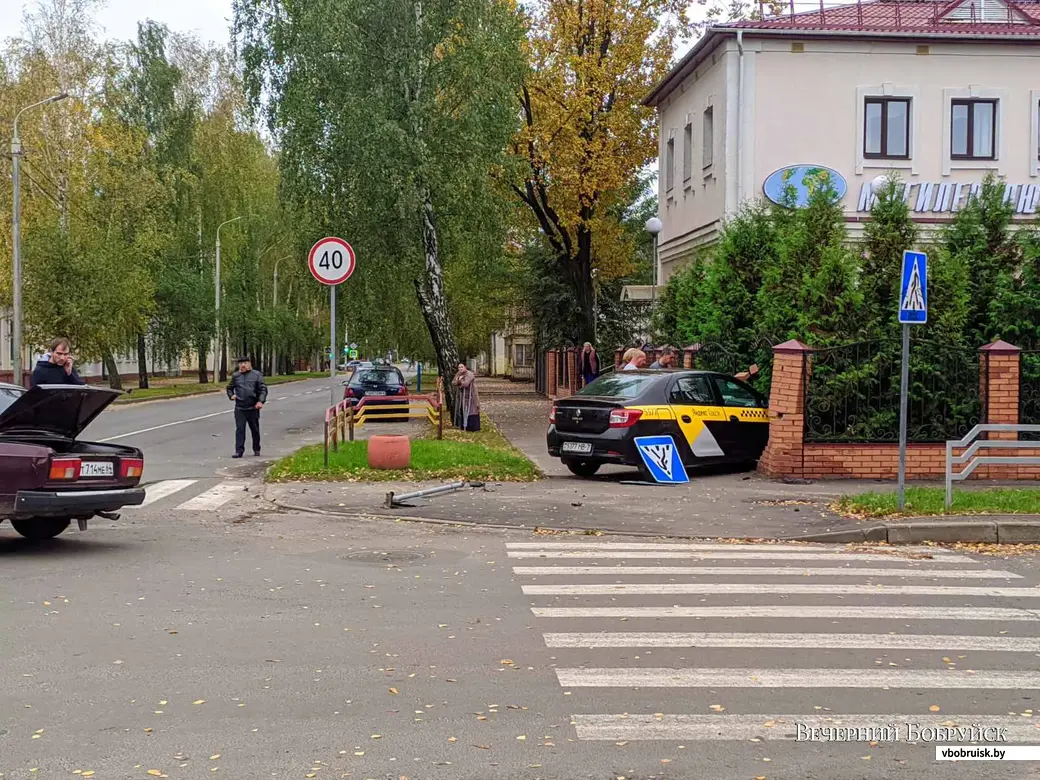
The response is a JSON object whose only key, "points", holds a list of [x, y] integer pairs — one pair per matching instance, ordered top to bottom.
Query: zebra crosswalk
{"points": [[206, 497], [880, 634]]}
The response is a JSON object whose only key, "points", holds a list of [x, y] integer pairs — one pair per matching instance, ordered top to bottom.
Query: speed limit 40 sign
{"points": [[332, 261]]}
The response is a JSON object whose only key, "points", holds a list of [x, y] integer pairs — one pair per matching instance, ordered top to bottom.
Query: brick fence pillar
{"points": [[689, 354], [1000, 369], [574, 376], [551, 388], [783, 453]]}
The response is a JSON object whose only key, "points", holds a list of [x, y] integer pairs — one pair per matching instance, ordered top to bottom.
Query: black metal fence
{"points": [[732, 360], [541, 371], [852, 392], [1029, 393]]}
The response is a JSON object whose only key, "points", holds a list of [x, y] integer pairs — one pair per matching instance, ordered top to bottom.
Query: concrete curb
{"points": [[974, 531]]}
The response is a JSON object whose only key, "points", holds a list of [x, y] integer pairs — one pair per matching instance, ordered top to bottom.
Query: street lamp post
{"points": [[653, 227], [16, 233], [219, 341], [274, 356]]}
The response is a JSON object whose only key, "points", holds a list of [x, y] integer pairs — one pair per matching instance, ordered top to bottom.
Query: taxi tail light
{"points": [[552, 414], [624, 418], [65, 468], [131, 468]]}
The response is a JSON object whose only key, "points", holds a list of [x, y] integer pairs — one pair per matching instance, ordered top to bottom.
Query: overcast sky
{"points": [[209, 19]]}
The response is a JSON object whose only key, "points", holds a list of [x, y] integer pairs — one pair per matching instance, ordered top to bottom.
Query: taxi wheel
{"points": [[582, 468], [38, 529]]}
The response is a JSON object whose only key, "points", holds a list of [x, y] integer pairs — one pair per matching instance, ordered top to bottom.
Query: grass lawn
{"points": [[161, 389], [485, 456], [932, 501]]}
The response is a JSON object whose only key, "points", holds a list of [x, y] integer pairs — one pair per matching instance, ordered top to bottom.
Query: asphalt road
{"points": [[195, 437], [214, 637]]}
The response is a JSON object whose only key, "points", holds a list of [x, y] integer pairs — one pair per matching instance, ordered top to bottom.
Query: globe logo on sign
{"points": [[792, 186]]}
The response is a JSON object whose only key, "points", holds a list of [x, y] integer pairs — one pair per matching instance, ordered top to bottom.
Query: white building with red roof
{"points": [[938, 92]]}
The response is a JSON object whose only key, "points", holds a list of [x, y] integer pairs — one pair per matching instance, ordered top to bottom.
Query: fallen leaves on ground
{"points": [[934, 708]]}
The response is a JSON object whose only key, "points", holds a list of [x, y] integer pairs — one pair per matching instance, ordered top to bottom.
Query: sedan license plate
{"points": [[375, 392], [581, 447], [97, 469]]}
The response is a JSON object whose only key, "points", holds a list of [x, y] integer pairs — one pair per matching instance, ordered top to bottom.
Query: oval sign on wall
{"points": [[803, 179]]}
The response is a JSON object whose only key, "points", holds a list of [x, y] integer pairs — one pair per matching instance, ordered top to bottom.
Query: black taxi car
{"points": [[713, 418]]}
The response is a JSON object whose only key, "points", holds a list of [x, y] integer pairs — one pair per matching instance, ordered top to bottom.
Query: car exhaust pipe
{"points": [[107, 515], [82, 523]]}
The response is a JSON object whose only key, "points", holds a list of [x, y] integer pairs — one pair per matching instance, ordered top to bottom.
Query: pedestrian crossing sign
{"points": [[913, 292], [661, 458]]}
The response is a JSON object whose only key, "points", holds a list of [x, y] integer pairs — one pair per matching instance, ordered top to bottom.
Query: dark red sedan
{"points": [[47, 477]]}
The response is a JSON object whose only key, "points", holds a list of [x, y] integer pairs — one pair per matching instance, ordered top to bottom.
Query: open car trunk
{"points": [[54, 411]]}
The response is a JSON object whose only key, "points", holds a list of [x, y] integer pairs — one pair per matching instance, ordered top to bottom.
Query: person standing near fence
{"points": [[589, 364], [467, 402]]}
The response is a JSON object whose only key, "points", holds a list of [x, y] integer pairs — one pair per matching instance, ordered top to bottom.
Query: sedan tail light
{"points": [[402, 390], [348, 393], [552, 414], [624, 418], [131, 468], [65, 469]]}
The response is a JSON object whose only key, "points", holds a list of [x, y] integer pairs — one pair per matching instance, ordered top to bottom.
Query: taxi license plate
{"points": [[581, 447], [97, 469]]}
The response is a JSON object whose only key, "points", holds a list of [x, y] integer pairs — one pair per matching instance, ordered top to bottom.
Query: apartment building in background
{"points": [[940, 93]]}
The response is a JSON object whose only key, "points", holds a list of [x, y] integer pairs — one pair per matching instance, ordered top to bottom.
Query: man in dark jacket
{"points": [[56, 367], [248, 391]]}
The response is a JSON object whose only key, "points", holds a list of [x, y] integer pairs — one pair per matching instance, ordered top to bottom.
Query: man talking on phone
{"points": [[56, 367], [248, 391]]}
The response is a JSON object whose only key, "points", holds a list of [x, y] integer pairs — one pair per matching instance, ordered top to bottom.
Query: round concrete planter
{"points": [[389, 452]]}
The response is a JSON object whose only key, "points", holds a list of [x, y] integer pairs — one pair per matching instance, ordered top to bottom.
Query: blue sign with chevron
{"points": [[661, 458]]}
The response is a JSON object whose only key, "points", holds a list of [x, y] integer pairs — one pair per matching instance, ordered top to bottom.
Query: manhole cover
{"points": [[376, 556]]}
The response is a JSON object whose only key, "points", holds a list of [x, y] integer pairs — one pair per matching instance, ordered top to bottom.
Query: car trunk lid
{"points": [[63, 410], [585, 414]]}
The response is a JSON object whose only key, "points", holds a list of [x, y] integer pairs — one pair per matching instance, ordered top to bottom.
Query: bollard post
{"points": [[350, 421], [335, 430], [326, 441]]}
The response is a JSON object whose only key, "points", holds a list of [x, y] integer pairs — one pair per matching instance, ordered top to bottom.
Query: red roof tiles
{"points": [[978, 18]]}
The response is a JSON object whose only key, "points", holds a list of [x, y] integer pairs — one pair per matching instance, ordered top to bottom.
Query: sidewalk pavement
{"points": [[713, 505]]}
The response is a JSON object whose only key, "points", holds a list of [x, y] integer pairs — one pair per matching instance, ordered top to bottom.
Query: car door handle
{"points": [[686, 418], [734, 418]]}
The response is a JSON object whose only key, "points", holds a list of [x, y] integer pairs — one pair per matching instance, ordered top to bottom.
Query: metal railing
{"points": [[342, 419], [973, 446]]}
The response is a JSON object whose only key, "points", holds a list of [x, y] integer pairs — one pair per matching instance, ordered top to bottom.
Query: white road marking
{"points": [[166, 425], [163, 489], [214, 498], [665, 547], [707, 555], [763, 571], [724, 588], [756, 611], [1000, 644], [797, 678], [780, 727]]}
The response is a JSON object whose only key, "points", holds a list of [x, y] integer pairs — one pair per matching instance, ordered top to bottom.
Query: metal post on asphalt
{"points": [[16, 237], [913, 310], [332, 337], [904, 381]]}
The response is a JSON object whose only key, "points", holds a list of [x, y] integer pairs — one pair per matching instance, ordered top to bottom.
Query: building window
{"points": [[886, 128], [973, 129], [708, 137], [687, 158], [669, 165], [523, 354]]}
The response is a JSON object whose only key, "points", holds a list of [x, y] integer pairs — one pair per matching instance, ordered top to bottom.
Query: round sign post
{"points": [[332, 261]]}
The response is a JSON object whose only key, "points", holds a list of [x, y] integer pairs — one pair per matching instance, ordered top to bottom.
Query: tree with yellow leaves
{"points": [[586, 135]]}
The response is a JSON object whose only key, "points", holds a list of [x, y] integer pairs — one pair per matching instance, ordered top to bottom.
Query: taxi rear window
{"points": [[618, 385]]}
